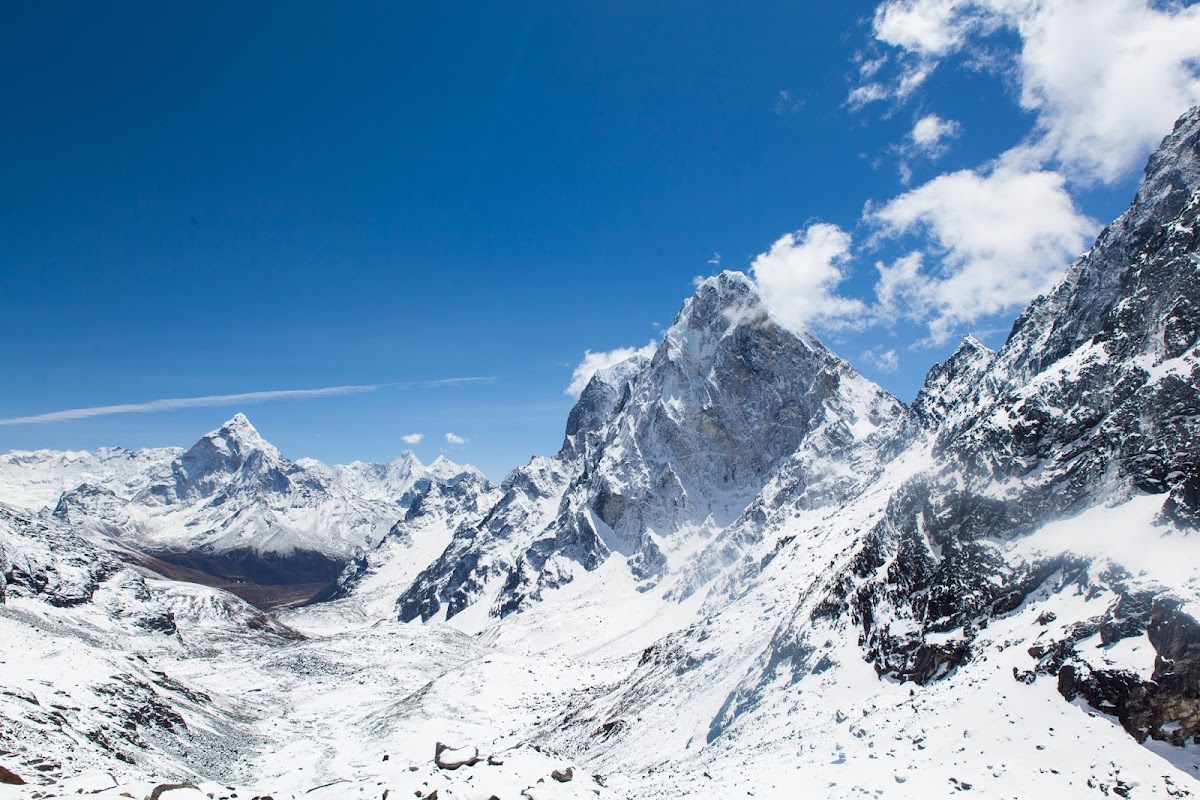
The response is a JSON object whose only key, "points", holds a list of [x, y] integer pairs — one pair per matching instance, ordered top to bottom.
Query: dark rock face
{"points": [[1166, 707]]}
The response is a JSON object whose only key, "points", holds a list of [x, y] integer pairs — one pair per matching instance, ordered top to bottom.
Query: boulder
{"points": [[447, 757], [177, 791]]}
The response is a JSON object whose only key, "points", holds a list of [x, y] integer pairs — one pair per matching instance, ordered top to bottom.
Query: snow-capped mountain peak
{"points": [[233, 455]]}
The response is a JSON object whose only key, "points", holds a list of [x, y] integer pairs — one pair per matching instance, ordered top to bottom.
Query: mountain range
{"points": [[747, 570]]}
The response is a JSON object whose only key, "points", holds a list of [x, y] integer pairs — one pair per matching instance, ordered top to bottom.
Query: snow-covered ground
{"points": [[311, 703]]}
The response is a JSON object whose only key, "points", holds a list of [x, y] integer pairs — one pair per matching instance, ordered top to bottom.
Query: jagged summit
{"points": [[720, 304], [1079, 307], [949, 384], [605, 392], [662, 447]]}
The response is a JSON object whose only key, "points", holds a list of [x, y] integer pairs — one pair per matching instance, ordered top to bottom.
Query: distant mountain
{"points": [[231, 506]]}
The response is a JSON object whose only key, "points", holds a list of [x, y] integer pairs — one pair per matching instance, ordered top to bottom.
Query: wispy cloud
{"points": [[787, 103], [885, 361], [440, 382], [221, 400], [454, 438]]}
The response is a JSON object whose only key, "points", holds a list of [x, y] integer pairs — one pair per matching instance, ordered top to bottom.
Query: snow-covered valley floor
{"points": [[328, 701]]}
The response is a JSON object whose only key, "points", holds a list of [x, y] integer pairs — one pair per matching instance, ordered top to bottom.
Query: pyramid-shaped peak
{"points": [[972, 346], [239, 422], [239, 427], [236, 436], [443, 465], [449, 471]]}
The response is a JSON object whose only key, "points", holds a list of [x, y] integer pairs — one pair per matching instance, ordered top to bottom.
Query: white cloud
{"points": [[930, 28], [1104, 79], [1107, 79], [931, 133], [995, 241], [798, 279], [882, 360], [594, 362], [172, 404], [412, 438], [454, 438]]}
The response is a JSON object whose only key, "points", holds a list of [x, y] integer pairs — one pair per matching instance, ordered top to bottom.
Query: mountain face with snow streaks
{"points": [[682, 441]]}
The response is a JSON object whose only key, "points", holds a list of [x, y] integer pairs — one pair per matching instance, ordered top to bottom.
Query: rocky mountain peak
{"points": [[1172, 173], [1139, 262], [719, 305], [949, 383], [604, 393], [236, 437], [233, 452]]}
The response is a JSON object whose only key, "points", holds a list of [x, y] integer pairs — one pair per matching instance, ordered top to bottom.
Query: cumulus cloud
{"points": [[1104, 79], [931, 133], [989, 243], [974, 244], [799, 276], [882, 360], [593, 362], [412, 438], [454, 438]]}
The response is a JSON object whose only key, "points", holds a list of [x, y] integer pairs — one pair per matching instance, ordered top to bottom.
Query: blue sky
{"points": [[224, 199]]}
